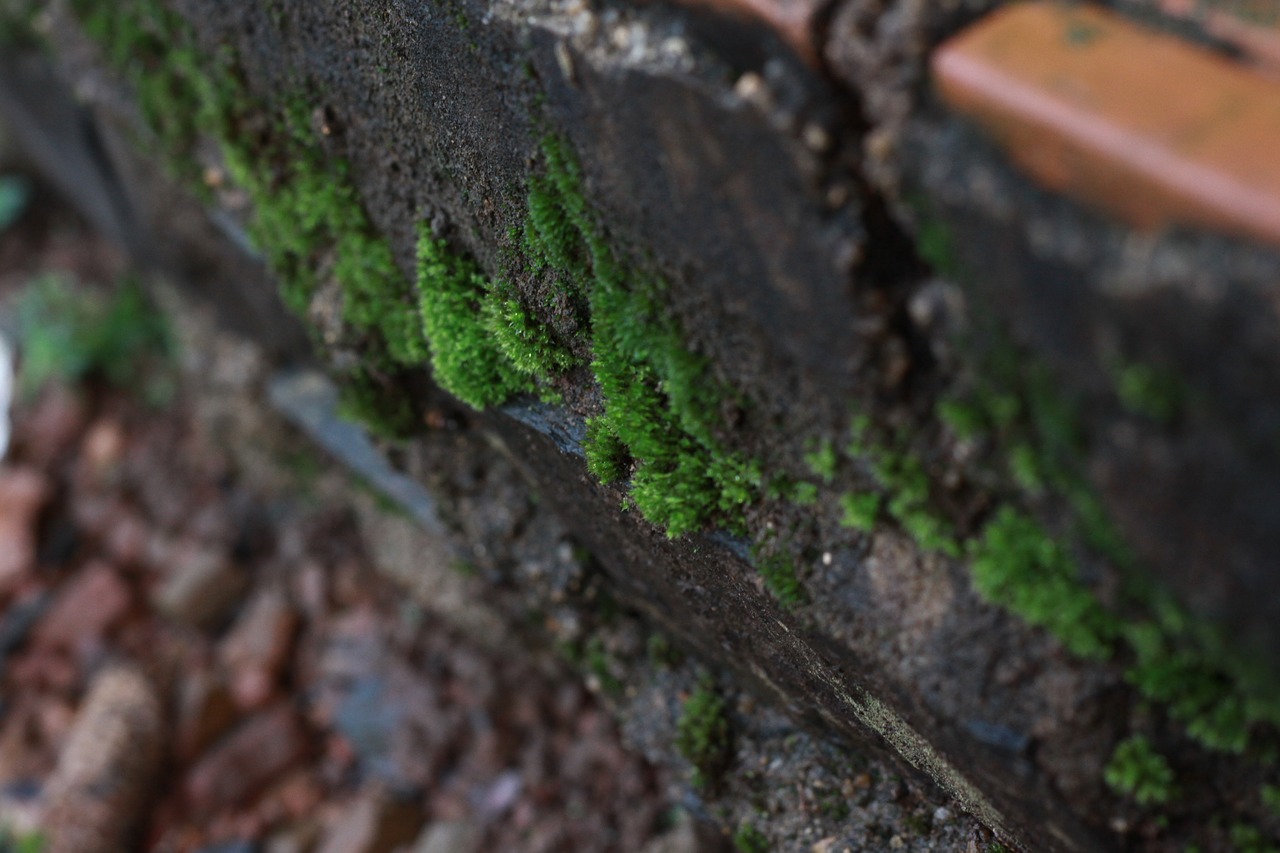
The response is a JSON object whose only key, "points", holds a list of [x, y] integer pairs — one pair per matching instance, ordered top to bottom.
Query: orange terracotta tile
{"points": [[1149, 127]]}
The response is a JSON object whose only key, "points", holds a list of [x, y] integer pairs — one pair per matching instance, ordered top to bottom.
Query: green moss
{"points": [[306, 216], [71, 333], [527, 344], [465, 356], [1148, 391], [372, 399], [660, 403], [964, 419], [607, 455], [822, 461], [1024, 465], [903, 477], [803, 493], [860, 511], [1017, 565], [779, 573], [1176, 661], [600, 665], [703, 735], [1137, 770], [1270, 796], [748, 839], [1249, 839], [12, 841]]}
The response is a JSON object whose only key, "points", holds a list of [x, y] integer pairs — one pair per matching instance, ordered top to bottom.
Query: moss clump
{"points": [[307, 217], [71, 333], [465, 356], [1148, 391], [372, 399], [660, 405], [607, 455], [822, 460], [903, 477], [860, 511], [1017, 565], [779, 574], [1175, 660], [1216, 707], [702, 734], [1137, 770], [1270, 796], [748, 839], [1249, 839]]}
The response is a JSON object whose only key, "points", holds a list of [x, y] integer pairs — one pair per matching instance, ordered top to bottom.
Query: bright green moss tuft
{"points": [[528, 345], [465, 356], [661, 407], [822, 461], [903, 477], [860, 511], [1017, 565], [703, 735], [1138, 771]]}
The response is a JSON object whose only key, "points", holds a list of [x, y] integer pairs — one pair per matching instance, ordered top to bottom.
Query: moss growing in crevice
{"points": [[306, 214], [466, 358], [661, 407], [1019, 566], [779, 574], [1172, 658], [703, 736], [1137, 770], [748, 839]]}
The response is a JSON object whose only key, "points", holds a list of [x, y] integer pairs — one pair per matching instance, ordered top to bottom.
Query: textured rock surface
{"points": [[825, 231]]}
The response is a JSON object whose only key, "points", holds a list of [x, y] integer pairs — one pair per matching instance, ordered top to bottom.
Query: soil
{"points": [[383, 709]]}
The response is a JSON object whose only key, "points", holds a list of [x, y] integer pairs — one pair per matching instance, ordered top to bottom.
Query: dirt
{"points": [[312, 689]]}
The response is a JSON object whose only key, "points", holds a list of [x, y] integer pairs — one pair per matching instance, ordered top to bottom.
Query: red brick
{"points": [[1147, 126], [23, 493], [89, 605], [258, 647], [246, 761]]}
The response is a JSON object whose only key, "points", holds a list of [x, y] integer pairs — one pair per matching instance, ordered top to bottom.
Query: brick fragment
{"points": [[1151, 128], [85, 609], [246, 761]]}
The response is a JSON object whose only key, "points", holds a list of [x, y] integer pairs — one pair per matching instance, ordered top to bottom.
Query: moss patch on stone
{"points": [[306, 216], [660, 404], [703, 735], [1137, 770], [748, 839]]}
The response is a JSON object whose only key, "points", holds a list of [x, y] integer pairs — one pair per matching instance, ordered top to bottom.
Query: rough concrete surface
{"points": [[846, 256]]}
